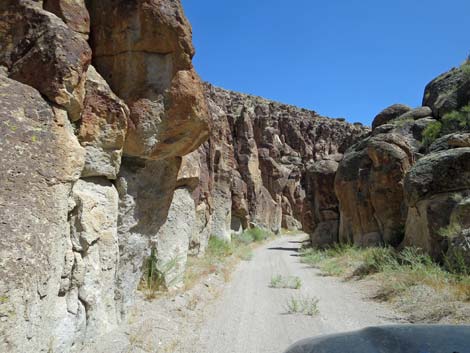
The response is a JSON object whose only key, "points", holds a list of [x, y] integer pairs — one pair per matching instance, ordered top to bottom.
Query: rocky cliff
{"points": [[99, 104], [260, 161], [408, 183]]}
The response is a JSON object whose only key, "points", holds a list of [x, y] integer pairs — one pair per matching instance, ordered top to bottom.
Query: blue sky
{"points": [[342, 58]]}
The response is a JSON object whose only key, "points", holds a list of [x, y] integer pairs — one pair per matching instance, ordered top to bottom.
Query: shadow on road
{"points": [[284, 249]]}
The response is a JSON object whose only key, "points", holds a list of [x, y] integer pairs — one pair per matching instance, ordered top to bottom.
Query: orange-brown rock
{"points": [[73, 12], [143, 49], [102, 129], [369, 187]]}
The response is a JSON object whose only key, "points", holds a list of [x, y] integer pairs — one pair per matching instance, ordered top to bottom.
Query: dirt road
{"points": [[250, 317]]}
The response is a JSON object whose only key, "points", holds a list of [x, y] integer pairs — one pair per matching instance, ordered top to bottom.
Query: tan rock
{"points": [[73, 12], [103, 128], [40, 158]]}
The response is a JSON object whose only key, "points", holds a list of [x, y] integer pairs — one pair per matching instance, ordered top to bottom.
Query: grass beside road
{"points": [[222, 256], [411, 280]]}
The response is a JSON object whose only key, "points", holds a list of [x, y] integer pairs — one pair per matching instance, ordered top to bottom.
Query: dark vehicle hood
{"points": [[391, 339]]}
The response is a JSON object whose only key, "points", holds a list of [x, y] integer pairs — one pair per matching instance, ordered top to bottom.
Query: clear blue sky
{"points": [[342, 58]]}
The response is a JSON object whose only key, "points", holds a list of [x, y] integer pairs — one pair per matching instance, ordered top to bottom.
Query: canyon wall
{"points": [[99, 104], [112, 149], [258, 163], [408, 183]]}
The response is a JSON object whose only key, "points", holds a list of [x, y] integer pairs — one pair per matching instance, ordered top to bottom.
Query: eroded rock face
{"points": [[143, 49], [41, 51], [102, 128], [258, 152], [41, 159], [369, 188], [433, 189], [323, 202], [72, 263], [88, 279]]}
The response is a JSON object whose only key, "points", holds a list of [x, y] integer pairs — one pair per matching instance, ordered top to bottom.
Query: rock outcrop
{"points": [[449, 91], [257, 159], [95, 174], [395, 189]]}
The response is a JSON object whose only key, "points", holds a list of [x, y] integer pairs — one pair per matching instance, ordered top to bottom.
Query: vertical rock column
{"points": [[143, 49]]}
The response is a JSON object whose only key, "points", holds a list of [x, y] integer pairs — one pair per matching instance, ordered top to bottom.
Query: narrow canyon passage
{"points": [[251, 317]]}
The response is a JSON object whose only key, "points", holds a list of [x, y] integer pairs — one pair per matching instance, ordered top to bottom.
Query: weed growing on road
{"points": [[402, 277], [276, 281], [291, 282], [306, 305]]}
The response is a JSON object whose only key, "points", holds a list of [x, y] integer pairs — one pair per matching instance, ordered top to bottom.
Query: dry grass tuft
{"points": [[402, 277]]}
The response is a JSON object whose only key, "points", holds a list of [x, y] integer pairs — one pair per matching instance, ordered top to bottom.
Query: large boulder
{"points": [[73, 12], [154, 76], [449, 91], [388, 114], [368, 185], [434, 188], [323, 201]]}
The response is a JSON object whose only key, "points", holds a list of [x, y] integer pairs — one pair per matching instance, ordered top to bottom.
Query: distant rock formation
{"points": [[256, 163]]}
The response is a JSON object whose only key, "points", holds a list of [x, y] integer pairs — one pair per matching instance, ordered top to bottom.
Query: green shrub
{"points": [[465, 67], [455, 121], [432, 132], [451, 231], [257, 234], [244, 238], [219, 247], [312, 256], [377, 260], [455, 263], [155, 275], [276, 281]]}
